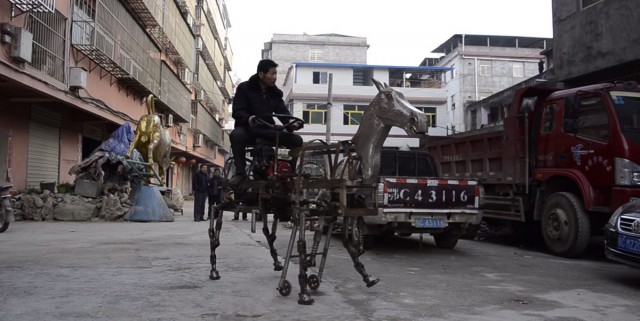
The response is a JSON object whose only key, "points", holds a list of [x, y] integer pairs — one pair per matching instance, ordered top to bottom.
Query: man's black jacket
{"points": [[249, 101], [199, 182], [214, 186]]}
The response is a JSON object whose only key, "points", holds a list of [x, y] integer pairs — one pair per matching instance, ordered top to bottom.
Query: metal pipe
{"points": [[329, 105]]}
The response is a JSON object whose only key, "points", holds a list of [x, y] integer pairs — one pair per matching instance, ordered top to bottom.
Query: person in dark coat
{"points": [[258, 96], [199, 186], [214, 189]]}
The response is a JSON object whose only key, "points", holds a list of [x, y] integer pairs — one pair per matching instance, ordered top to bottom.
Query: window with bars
{"points": [[49, 43], [430, 112], [315, 114], [353, 114]]}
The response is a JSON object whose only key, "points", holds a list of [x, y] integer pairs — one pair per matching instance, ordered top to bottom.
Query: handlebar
{"points": [[260, 121]]}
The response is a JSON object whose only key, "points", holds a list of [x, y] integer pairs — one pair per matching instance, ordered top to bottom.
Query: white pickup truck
{"points": [[416, 200]]}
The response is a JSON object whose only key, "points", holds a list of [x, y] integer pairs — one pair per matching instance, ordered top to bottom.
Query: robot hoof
{"points": [[278, 266], [214, 275], [371, 281], [305, 299]]}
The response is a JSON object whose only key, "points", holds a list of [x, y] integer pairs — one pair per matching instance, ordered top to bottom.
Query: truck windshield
{"points": [[627, 106]]}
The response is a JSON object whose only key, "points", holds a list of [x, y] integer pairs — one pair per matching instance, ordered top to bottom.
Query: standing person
{"points": [[257, 96], [199, 187], [214, 189]]}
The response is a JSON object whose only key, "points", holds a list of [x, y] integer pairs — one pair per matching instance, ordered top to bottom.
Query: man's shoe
{"points": [[237, 178]]}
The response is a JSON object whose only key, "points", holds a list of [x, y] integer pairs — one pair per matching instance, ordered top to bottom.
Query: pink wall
{"points": [[15, 117], [70, 146]]}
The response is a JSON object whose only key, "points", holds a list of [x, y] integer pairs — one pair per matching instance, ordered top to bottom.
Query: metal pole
{"points": [[329, 105]]}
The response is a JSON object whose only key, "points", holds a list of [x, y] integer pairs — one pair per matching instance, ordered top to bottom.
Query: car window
{"points": [[388, 164], [407, 165]]}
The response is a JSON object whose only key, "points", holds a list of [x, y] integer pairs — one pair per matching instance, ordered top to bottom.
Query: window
{"points": [[49, 43], [316, 55], [485, 69], [518, 69], [453, 71], [320, 77], [453, 101], [430, 112], [315, 114], [353, 114], [547, 119], [592, 120], [407, 165]]}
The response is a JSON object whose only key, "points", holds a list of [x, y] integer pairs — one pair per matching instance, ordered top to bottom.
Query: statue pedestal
{"points": [[147, 205]]}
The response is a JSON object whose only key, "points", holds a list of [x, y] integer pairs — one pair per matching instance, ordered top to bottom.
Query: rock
{"points": [[45, 194], [38, 201], [17, 205], [29, 209], [47, 209], [74, 209], [111, 209]]}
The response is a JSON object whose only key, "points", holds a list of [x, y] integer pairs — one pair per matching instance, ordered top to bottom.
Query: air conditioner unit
{"points": [[189, 20], [199, 43], [22, 46], [186, 76], [200, 95], [168, 120], [199, 140]]}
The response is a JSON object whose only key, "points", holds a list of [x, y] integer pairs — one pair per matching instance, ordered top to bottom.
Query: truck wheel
{"points": [[565, 225], [446, 240]]}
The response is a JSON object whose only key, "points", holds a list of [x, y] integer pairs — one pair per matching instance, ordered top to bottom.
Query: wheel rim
{"points": [[557, 225], [314, 282]]}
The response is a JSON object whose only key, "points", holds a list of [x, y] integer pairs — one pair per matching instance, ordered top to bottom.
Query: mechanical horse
{"points": [[342, 192]]}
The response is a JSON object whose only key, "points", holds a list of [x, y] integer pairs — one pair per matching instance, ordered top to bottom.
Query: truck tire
{"points": [[564, 225], [446, 240]]}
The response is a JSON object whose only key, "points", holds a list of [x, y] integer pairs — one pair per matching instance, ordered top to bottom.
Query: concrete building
{"points": [[595, 41], [328, 48], [482, 65], [71, 72], [306, 93]]}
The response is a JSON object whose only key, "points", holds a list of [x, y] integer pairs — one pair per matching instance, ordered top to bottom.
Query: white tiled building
{"points": [[306, 93]]}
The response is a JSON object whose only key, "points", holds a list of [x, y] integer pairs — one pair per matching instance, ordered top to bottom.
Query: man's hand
{"points": [[252, 121], [295, 125]]}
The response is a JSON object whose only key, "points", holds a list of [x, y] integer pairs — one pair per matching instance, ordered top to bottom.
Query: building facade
{"points": [[595, 41], [329, 48], [482, 65], [71, 72], [306, 88]]}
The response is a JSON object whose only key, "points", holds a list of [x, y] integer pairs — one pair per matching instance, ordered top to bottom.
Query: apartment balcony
{"points": [[214, 18], [165, 22], [112, 38], [210, 51], [228, 54], [227, 86], [174, 96], [207, 125], [226, 143]]}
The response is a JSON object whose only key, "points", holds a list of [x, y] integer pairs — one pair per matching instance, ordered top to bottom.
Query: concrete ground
{"points": [[146, 271]]}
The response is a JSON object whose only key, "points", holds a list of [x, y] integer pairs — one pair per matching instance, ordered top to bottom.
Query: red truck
{"points": [[566, 158]]}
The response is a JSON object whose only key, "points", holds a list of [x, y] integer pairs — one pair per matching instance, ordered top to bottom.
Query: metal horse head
{"points": [[387, 109]]}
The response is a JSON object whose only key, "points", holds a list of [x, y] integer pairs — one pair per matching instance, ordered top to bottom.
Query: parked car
{"points": [[622, 235]]}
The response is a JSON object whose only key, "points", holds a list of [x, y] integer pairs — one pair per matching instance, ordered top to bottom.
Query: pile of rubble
{"points": [[49, 206]]}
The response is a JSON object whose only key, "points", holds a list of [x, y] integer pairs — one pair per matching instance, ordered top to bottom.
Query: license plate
{"points": [[430, 222], [629, 244]]}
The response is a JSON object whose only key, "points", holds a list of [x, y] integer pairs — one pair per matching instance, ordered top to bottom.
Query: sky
{"points": [[399, 32]]}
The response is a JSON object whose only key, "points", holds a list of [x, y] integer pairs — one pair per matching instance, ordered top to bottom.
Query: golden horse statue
{"points": [[152, 140]]}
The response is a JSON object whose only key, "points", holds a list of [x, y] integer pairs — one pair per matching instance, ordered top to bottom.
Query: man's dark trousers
{"points": [[242, 137], [199, 205]]}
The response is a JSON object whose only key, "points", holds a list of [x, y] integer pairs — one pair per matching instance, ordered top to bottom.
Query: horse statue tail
{"points": [[151, 110]]}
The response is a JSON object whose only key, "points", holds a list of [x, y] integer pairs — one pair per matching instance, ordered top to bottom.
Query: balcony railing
{"points": [[167, 25], [112, 38], [49, 43], [174, 95], [207, 125], [226, 143]]}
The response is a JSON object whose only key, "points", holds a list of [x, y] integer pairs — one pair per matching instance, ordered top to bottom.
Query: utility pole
{"points": [[329, 105]]}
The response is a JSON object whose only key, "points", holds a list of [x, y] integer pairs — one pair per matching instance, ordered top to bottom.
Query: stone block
{"points": [[88, 188]]}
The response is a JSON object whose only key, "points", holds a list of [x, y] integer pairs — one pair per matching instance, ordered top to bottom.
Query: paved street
{"points": [[159, 271]]}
